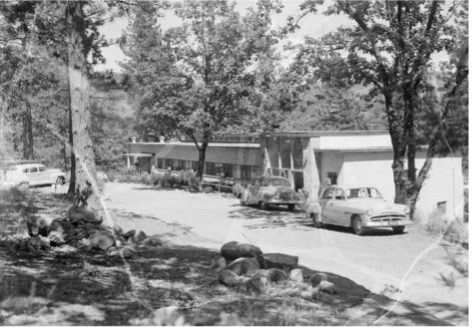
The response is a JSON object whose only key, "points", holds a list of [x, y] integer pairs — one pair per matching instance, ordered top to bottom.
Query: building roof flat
{"points": [[328, 133], [211, 144]]}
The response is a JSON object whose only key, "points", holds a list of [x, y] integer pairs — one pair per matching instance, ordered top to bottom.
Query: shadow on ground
{"points": [[80, 287]]}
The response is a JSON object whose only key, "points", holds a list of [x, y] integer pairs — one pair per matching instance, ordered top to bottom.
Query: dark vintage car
{"points": [[269, 190]]}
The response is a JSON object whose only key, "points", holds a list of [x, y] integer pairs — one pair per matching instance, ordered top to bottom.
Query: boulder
{"points": [[81, 213], [37, 226], [63, 229], [128, 234], [141, 236], [102, 240], [151, 242], [38, 243], [234, 250], [127, 252], [281, 261], [218, 263], [243, 266], [272, 275], [296, 275], [315, 279], [243, 283], [327, 287]]}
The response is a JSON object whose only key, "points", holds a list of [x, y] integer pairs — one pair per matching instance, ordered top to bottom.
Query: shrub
{"points": [[155, 178]]}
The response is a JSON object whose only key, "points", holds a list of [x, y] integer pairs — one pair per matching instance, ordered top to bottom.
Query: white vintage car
{"points": [[24, 175], [269, 190], [359, 208]]}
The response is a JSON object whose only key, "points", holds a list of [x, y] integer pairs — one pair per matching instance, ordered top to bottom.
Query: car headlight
{"points": [[407, 210], [369, 212]]}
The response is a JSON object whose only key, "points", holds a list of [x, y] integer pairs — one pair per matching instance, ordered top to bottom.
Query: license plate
{"points": [[393, 223]]}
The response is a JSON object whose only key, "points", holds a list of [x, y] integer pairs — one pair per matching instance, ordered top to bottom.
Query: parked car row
{"points": [[28, 175], [357, 207]]}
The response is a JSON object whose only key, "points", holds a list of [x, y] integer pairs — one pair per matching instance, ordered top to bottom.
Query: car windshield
{"points": [[275, 182], [363, 193]]}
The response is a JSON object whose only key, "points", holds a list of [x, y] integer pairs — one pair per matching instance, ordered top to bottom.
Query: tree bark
{"points": [[27, 134], [200, 166], [83, 170]]}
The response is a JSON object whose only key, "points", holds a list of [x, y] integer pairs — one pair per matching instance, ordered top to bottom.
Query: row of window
{"points": [[210, 168]]}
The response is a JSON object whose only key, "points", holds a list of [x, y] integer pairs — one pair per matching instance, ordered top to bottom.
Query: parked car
{"points": [[35, 174], [10, 177], [269, 190], [359, 208]]}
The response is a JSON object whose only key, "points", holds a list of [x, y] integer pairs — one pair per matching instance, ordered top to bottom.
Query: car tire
{"points": [[60, 180], [23, 186], [262, 205], [291, 207], [316, 219], [357, 225], [398, 229]]}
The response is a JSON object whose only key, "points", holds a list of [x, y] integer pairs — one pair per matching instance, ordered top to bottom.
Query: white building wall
{"points": [[354, 141], [371, 169], [444, 183]]}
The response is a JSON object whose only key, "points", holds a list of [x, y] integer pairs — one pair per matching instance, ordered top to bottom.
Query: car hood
{"points": [[376, 205]]}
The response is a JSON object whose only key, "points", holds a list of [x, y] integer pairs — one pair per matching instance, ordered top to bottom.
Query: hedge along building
{"points": [[311, 160]]}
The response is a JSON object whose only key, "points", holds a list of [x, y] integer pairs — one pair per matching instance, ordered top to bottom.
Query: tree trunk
{"points": [[27, 134], [83, 162], [200, 166]]}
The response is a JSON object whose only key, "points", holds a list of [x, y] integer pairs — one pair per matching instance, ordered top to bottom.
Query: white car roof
{"points": [[29, 165], [346, 186]]}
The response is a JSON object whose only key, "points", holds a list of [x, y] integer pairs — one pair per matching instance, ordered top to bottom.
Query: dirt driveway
{"points": [[407, 267]]}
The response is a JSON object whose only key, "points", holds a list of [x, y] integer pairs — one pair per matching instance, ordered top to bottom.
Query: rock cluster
{"points": [[81, 227], [246, 268]]}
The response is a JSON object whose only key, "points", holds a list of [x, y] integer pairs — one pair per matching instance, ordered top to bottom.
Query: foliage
{"points": [[389, 50], [195, 78]]}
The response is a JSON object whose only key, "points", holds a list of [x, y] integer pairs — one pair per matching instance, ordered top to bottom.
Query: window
{"points": [[285, 150], [297, 150], [161, 163], [181, 165], [210, 168], [42, 169], [26, 170], [33, 170], [228, 170], [332, 176], [298, 180], [328, 193], [339, 194]]}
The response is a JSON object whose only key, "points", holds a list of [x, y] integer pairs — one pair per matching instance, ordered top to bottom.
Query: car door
{"points": [[33, 175], [43, 175], [325, 200], [338, 209]]}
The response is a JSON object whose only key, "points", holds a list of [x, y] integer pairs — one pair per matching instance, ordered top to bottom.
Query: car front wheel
{"points": [[60, 181], [317, 221], [357, 225], [398, 229]]}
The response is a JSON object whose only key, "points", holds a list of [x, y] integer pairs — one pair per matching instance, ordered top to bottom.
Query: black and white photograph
{"points": [[234, 163]]}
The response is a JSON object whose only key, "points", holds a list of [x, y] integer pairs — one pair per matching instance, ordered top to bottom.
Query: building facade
{"points": [[311, 160]]}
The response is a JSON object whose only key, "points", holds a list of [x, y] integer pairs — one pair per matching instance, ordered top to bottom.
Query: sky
{"points": [[314, 25]]}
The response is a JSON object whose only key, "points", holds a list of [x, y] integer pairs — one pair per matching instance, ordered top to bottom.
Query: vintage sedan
{"points": [[36, 175], [269, 190], [359, 208]]}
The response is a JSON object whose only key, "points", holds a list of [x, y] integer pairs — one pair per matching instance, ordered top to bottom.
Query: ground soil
{"points": [[382, 278]]}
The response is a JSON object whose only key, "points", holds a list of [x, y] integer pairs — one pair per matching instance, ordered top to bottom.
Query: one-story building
{"points": [[310, 160]]}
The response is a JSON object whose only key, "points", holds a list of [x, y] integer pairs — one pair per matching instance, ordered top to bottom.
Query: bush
{"points": [[453, 230]]}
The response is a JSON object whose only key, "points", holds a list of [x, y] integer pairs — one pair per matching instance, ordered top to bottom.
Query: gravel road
{"points": [[407, 267]]}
